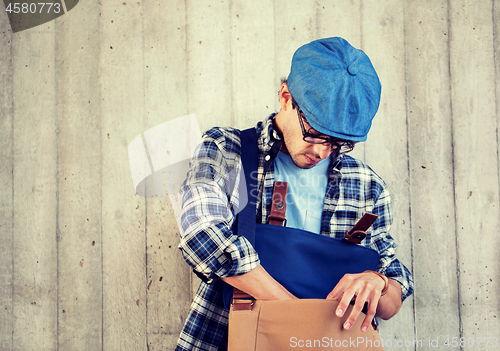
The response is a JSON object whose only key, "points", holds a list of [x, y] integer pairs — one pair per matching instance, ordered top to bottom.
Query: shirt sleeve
{"points": [[209, 206], [389, 264]]}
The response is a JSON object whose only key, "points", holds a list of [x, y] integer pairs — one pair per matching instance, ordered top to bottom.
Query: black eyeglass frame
{"points": [[315, 139]]}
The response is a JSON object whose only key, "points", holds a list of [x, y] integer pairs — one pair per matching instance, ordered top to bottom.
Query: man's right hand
{"points": [[260, 285]]}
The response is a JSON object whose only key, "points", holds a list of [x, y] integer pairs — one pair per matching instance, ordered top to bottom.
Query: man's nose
{"points": [[322, 150]]}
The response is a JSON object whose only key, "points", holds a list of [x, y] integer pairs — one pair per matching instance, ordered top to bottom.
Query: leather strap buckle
{"points": [[278, 206], [358, 232], [241, 300], [242, 305]]}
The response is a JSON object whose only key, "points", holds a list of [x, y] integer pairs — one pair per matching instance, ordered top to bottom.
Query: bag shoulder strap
{"points": [[250, 162], [246, 218]]}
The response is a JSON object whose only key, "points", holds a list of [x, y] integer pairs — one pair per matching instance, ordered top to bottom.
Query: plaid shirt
{"points": [[210, 204]]}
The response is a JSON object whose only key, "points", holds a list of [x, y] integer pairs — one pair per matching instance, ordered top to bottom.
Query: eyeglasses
{"points": [[318, 139]]}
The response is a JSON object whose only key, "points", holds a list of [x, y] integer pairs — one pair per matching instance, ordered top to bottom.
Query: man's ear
{"points": [[285, 97]]}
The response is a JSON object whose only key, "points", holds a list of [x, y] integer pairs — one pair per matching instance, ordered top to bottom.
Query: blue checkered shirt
{"points": [[210, 204]]}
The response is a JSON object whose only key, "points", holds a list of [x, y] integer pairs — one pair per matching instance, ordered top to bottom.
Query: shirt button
{"points": [[267, 158]]}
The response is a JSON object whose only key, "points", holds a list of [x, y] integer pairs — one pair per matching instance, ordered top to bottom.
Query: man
{"points": [[327, 105]]}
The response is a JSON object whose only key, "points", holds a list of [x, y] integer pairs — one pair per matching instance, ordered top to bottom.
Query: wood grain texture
{"points": [[294, 26], [252, 42], [208, 44], [165, 77], [475, 159], [431, 170], [79, 181], [6, 184], [35, 189], [123, 213]]}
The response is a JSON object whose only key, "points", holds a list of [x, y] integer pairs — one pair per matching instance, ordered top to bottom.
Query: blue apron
{"points": [[307, 264]]}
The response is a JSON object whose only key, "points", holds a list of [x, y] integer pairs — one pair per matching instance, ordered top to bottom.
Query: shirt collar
{"points": [[269, 135]]}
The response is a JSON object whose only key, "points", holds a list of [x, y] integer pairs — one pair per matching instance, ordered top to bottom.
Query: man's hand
{"points": [[259, 284], [366, 287]]}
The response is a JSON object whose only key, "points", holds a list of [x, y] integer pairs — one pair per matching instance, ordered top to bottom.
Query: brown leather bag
{"points": [[256, 325]]}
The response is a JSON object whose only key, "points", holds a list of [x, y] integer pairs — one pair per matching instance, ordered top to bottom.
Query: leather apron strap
{"points": [[278, 206]]}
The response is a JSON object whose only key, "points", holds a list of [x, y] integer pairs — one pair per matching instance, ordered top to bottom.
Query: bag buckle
{"points": [[278, 206], [358, 232], [242, 305]]}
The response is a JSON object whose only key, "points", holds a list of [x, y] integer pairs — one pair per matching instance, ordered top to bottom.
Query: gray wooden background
{"points": [[86, 264]]}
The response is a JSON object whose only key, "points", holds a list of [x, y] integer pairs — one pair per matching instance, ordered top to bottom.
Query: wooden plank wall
{"points": [[86, 264]]}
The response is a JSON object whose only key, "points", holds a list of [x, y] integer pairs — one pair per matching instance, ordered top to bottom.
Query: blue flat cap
{"points": [[336, 87]]}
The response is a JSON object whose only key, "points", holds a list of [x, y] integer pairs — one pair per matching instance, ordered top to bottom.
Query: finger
{"points": [[338, 290], [333, 295], [346, 299], [372, 309], [356, 310]]}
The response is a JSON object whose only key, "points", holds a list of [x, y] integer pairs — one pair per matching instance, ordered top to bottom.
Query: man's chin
{"points": [[309, 162], [304, 165], [307, 166]]}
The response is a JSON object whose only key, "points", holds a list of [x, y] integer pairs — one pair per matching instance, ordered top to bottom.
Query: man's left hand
{"points": [[366, 287]]}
